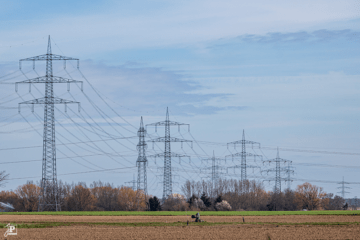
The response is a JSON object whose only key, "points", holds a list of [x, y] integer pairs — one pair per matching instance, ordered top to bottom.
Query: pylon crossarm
{"points": [[45, 57], [48, 57], [45, 79], [44, 100], [163, 123], [171, 139], [244, 141], [141, 145], [239, 154], [172, 155], [178, 155], [141, 159], [277, 160], [284, 160], [248, 166], [282, 169]]}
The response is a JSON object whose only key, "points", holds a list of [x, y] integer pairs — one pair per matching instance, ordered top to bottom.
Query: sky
{"points": [[285, 72]]}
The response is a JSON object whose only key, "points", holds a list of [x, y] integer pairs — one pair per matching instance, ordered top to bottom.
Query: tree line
{"points": [[222, 195], [252, 196], [78, 197]]}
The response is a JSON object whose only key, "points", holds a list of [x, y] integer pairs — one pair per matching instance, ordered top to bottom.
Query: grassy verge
{"points": [[176, 213], [173, 224]]}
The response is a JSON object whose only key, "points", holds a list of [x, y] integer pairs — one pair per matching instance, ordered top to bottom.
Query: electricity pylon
{"points": [[243, 154], [141, 161], [215, 168], [278, 169], [289, 171], [133, 182], [167, 183], [343, 188], [48, 199]]}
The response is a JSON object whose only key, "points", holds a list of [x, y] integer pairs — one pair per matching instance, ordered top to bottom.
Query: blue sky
{"points": [[285, 72]]}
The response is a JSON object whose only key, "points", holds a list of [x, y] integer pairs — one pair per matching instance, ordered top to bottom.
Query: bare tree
{"points": [[3, 178], [106, 196], [309, 196], [28, 197], [81, 198]]}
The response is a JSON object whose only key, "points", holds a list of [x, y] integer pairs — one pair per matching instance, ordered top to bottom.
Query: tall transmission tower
{"points": [[243, 154], [141, 161], [215, 168], [278, 170], [167, 183], [343, 187], [48, 199]]}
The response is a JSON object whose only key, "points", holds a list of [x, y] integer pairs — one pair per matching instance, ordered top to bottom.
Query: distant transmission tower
{"points": [[243, 154], [142, 160], [215, 168], [278, 170], [289, 171], [133, 182], [167, 183], [343, 187], [48, 199], [356, 202]]}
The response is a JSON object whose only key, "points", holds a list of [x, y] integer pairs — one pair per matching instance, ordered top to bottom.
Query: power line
{"points": [[60, 144], [74, 173]]}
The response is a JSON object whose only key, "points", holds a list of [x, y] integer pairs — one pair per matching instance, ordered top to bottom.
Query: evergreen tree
{"points": [[218, 199], [206, 200], [154, 204]]}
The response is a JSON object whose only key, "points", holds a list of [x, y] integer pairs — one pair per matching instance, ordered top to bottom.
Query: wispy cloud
{"points": [[111, 25], [302, 36]]}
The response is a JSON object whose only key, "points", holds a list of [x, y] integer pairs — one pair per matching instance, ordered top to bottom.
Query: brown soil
{"points": [[131, 219], [193, 232]]}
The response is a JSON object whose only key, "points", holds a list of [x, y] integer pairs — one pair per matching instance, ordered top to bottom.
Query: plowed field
{"points": [[255, 227], [193, 232]]}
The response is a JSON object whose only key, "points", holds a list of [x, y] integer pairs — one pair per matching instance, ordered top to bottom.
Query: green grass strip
{"points": [[178, 213], [172, 224]]}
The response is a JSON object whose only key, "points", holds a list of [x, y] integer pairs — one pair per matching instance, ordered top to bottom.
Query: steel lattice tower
{"points": [[243, 154], [141, 160], [215, 168], [278, 169], [289, 171], [133, 182], [167, 183], [343, 188], [48, 199]]}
